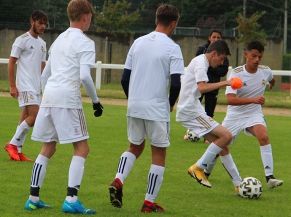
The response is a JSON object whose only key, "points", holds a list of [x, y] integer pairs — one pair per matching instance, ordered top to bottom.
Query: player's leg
{"points": [[29, 103], [260, 132], [158, 133], [136, 137], [76, 171], [37, 177]]}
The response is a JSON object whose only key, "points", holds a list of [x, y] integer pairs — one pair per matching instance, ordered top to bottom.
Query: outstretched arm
{"points": [[232, 99]]}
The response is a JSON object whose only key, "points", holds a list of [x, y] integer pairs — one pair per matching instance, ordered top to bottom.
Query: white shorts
{"points": [[28, 98], [60, 125], [200, 125], [235, 126], [156, 131]]}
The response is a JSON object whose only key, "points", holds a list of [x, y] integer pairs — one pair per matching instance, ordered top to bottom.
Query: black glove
{"points": [[98, 108]]}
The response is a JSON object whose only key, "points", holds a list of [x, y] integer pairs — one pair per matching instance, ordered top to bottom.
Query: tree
{"points": [[116, 17], [249, 28]]}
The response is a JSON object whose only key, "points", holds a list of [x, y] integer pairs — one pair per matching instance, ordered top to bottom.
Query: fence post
{"points": [[98, 75]]}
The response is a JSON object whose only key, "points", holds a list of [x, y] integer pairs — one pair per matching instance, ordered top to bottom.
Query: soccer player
{"points": [[29, 51], [154, 62], [214, 75], [245, 105], [191, 114], [61, 118]]}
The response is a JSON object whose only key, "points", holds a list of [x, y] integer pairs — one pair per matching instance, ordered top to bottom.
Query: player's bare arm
{"points": [[11, 74], [272, 83], [207, 87], [233, 99]]}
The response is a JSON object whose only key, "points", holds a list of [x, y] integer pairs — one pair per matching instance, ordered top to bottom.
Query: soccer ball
{"points": [[191, 136], [251, 188]]}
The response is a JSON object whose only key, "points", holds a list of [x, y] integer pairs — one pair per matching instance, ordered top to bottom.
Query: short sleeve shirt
{"points": [[30, 53], [152, 59], [254, 85], [189, 106]]}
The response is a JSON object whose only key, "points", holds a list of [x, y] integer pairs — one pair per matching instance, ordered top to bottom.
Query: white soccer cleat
{"points": [[273, 183]]}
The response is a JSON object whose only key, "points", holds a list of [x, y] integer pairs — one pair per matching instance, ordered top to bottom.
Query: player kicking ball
{"points": [[244, 112], [192, 115], [61, 118]]}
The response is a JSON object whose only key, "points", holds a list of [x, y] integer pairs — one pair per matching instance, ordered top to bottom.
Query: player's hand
{"points": [[236, 83], [14, 92], [259, 100], [98, 109]]}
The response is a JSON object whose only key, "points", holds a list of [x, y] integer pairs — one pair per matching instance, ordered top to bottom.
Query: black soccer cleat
{"points": [[115, 193]]}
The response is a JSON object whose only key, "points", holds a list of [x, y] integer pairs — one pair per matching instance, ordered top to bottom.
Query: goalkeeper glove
{"points": [[98, 109]]}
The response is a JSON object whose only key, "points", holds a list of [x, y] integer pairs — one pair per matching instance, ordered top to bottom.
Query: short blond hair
{"points": [[76, 8]]}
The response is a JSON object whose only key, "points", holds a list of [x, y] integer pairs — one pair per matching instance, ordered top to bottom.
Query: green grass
{"points": [[280, 99], [180, 195]]}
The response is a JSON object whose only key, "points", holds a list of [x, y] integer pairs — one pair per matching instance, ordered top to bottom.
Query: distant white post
{"points": [[98, 75]]}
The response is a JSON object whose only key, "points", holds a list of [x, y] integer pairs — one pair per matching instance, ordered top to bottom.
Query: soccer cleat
{"points": [[12, 152], [22, 157], [198, 173], [272, 182], [115, 193], [30, 206], [149, 207], [76, 208]]}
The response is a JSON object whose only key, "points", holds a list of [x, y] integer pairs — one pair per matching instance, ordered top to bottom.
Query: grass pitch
{"points": [[180, 195]]}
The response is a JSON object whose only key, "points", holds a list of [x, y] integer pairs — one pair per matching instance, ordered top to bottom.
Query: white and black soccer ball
{"points": [[191, 136], [251, 188]]}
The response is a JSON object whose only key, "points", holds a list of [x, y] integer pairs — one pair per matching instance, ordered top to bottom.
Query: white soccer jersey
{"points": [[71, 49], [30, 52], [151, 59], [254, 85], [189, 106]]}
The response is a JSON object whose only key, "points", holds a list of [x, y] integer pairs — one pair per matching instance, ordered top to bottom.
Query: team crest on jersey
{"points": [[31, 47], [42, 49]]}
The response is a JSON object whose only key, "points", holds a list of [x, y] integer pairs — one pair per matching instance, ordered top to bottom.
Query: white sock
{"points": [[19, 136], [208, 156], [267, 159], [125, 165], [211, 165], [231, 168], [39, 171], [76, 172], [155, 179], [33, 198], [71, 199]]}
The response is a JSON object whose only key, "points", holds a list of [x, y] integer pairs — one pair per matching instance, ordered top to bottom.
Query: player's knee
{"points": [[227, 137], [264, 139]]}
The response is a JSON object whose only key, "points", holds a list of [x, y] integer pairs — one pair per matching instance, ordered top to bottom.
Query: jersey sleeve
{"points": [[17, 48], [87, 53], [43, 58], [128, 61], [176, 61], [269, 75]]}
